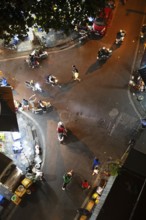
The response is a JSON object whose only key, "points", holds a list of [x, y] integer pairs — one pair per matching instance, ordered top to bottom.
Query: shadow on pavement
{"points": [[95, 66], [77, 145], [41, 189]]}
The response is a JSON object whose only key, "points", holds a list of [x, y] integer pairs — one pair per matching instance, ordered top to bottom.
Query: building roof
{"points": [[8, 120], [127, 196]]}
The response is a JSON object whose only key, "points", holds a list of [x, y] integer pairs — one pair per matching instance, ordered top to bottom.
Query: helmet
{"points": [[121, 31], [60, 123]]}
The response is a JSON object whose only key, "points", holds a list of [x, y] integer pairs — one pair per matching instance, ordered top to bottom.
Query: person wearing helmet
{"points": [[120, 34], [103, 52], [61, 128]]}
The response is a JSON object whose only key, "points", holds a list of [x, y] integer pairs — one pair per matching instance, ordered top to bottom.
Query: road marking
{"points": [[51, 52], [115, 124]]}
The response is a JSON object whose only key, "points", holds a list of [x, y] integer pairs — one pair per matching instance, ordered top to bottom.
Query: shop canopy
{"points": [[8, 120]]}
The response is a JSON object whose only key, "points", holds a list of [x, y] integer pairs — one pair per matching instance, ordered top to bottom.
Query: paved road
{"points": [[97, 111]]}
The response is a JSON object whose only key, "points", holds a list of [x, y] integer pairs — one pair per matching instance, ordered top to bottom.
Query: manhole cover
{"points": [[140, 97], [114, 112]]}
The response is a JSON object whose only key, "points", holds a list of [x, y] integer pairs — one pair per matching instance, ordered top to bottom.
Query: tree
{"points": [[16, 16]]}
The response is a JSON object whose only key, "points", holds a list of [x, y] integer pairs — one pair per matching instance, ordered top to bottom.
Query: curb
{"points": [[57, 49], [41, 139]]}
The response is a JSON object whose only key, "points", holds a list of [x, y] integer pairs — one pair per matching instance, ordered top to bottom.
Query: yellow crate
{"points": [[90, 205], [83, 217]]}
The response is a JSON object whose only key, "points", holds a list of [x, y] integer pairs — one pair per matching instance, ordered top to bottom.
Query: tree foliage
{"points": [[16, 16]]}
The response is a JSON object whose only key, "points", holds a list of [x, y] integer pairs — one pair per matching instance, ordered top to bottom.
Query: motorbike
{"points": [[143, 33], [83, 36], [120, 37], [39, 54], [104, 54], [32, 61], [52, 80], [137, 83], [33, 86], [42, 107], [61, 131]]}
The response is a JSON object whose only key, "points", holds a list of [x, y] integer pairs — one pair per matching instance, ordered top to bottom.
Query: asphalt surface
{"points": [[98, 112]]}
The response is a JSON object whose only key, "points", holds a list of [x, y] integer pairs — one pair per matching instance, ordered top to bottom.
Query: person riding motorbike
{"points": [[121, 33], [120, 36], [103, 53], [32, 61], [52, 80], [31, 84], [61, 131]]}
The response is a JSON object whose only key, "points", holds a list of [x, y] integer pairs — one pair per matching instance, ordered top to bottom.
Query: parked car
{"points": [[101, 22]]}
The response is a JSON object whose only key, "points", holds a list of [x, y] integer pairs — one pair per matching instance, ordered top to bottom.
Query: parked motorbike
{"points": [[143, 33], [83, 36], [120, 37], [104, 53], [137, 83], [33, 86], [42, 107], [61, 131]]}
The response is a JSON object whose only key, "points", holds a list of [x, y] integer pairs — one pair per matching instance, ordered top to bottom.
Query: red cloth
{"points": [[61, 130], [85, 185]]}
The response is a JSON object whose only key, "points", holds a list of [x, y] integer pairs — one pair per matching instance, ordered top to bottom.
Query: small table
{"points": [[26, 182], [20, 191], [16, 199]]}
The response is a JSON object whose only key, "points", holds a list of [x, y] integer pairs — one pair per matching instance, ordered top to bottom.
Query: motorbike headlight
{"points": [[37, 85]]}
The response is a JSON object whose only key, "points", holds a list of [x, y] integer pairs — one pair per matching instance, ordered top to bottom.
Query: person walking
{"points": [[75, 73], [25, 104], [96, 163], [95, 170], [67, 179], [85, 185]]}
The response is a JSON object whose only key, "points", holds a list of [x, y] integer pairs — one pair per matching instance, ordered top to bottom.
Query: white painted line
{"points": [[51, 52]]}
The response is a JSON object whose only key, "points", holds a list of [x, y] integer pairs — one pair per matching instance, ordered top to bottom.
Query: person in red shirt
{"points": [[61, 128], [85, 185]]}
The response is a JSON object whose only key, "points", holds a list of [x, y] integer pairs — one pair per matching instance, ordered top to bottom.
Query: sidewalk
{"points": [[53, 41], [138, 97], [24, 158]]}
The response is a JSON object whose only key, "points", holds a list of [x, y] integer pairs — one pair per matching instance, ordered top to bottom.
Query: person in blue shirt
{"points": [[4, 82], [96, 163]]}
